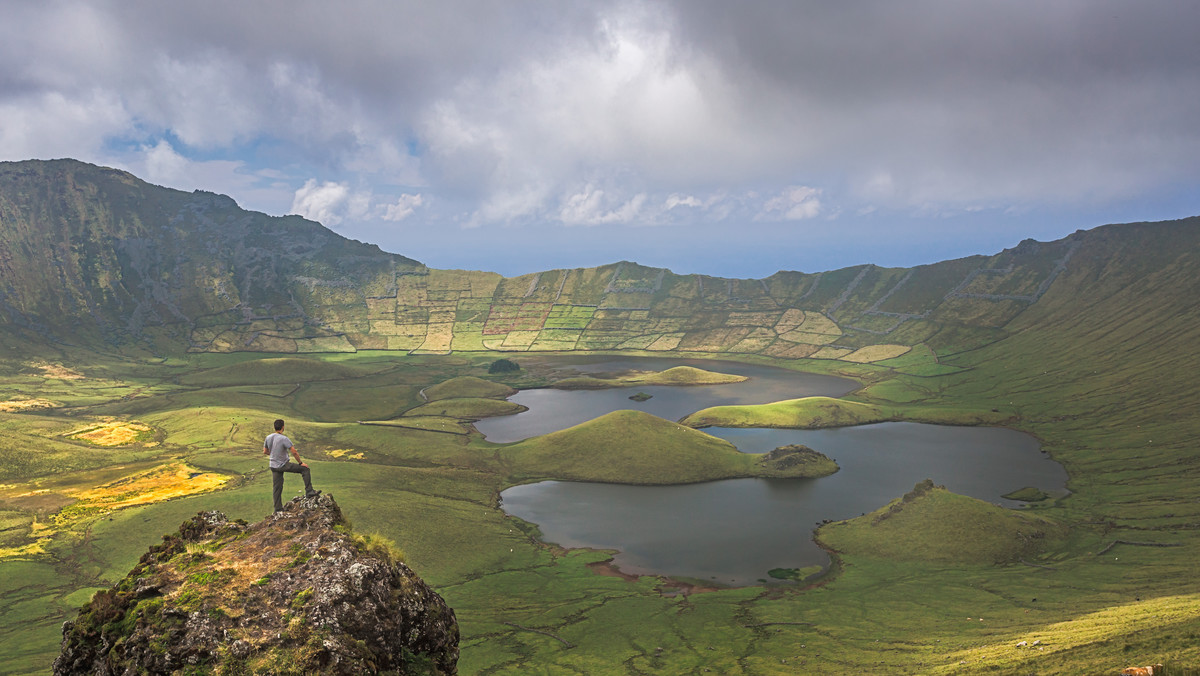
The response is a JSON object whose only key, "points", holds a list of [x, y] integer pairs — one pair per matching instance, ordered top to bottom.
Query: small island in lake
{"points": [[679, 375], [797, 460]]}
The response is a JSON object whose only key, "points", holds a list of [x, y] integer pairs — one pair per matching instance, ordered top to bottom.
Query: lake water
{"points": [[551, 410], [732, 532]]}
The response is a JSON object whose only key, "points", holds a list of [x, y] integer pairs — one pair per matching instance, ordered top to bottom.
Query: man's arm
{"points": [[296, 454]]}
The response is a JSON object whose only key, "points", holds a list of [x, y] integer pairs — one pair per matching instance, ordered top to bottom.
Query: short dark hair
{"points": [[279, 424]]}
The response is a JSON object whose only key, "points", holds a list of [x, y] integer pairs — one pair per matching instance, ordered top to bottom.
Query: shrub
{"points": [[504, 366]]}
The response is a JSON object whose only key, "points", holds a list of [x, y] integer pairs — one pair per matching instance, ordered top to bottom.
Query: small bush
{"points": [[504, 366], [380, 547]]}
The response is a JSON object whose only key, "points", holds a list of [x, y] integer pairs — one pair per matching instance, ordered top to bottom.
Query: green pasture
{"points": [[944, 584]]}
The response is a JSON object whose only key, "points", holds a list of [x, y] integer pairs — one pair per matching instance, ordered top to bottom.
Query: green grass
{"points": [[1101, 370], [270, 371], [677, 375], [688, 375], [468, 386], [466, 408], [818, 412], [427, 423], [636, 447], [933, 525]]}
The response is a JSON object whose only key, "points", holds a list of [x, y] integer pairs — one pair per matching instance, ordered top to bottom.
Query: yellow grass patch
{"points": [[752, 319], [792, 319], [815, 322], [438, 338], [808, 338], [519, 339], [758, 339], [713, 340], [669, 341], [638, 342], [784, 350], [831, 353], [872, 353], [57, 371], [14, 405], [111, 433], [347, 454], [154, 485], [31, 549], [1104, 625]]}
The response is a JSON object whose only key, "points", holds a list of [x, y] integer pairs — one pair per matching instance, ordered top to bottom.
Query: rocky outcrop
{"points": [[798, 460], [298, 592]]}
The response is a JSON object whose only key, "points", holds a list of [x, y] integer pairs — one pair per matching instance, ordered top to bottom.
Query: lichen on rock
{"points": [[299, 592]]}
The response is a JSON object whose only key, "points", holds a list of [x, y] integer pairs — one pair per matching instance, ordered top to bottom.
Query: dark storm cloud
{"points": [[993, 100]]}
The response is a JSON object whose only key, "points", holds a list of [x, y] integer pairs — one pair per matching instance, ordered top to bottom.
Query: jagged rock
{"points": [[298, 592]]}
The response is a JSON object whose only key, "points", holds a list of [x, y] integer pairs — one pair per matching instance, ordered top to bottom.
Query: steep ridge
{"points": [[88, 253], [94, 254], [1107, 359], [298, 592]]}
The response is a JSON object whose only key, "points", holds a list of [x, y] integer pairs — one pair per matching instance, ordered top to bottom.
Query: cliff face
{"points": [[94, 256], [298, 592]]}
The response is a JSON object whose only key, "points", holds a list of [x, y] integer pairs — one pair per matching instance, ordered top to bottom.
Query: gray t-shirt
{"points": [[278, 445]]}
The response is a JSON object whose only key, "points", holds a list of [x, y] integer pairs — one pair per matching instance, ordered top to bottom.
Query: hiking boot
{"points": [[312, 494]]}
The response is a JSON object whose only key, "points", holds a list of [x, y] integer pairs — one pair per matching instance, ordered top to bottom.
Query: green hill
{"points": [[468, 386], [625, 444], [933, 525]]}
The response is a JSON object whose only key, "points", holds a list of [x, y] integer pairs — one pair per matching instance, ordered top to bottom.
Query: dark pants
{"points": [[277, 481]]}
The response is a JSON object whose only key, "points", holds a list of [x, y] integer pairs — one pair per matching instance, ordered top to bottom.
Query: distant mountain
{"points": [[89, 253], [94, 254]]}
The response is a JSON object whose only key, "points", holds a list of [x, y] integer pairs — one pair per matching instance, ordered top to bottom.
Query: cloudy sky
{"points": [[730, 138]]}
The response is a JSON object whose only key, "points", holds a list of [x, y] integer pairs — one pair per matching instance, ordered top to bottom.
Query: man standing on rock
{"points": [[277, 446]]}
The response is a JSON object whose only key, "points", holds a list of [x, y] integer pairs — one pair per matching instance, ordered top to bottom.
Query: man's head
{"points": [[279, 425]]}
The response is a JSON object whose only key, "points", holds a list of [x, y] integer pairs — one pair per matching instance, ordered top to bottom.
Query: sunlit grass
{"points": [[18, 405], [112, 433], [155, 485]]}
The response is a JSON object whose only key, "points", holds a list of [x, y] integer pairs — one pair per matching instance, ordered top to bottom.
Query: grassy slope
{"points": [[1101, 369], [688, 375], [468, 386], [467, 408], [817, 412], [633, 447], [933, 525]]}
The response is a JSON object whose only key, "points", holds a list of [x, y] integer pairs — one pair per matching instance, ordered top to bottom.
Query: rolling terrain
{"points": [[148, 336]]}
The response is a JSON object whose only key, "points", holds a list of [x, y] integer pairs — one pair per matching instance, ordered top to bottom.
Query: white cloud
{"points": [[628, 109], [53, 124], [163, 165], [677, 200], [321, 202], [793, 204], [591, 206], [403, 207]]}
